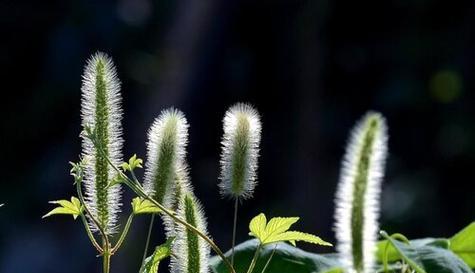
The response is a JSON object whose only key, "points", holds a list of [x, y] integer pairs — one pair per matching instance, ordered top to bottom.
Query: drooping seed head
{"points": [[101, 111], [167, 139], [240, 151], [358, 194], [191, 251]]}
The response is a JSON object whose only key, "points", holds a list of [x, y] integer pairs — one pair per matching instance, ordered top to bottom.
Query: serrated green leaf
{"points": [[143, 206], [72, 207], [278, 225], [257, 226], [277, 231], [293, 236], [463, 244], [286, 259], [150, 264]]}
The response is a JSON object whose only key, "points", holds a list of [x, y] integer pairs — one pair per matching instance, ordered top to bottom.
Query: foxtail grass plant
{"points": [[167, 139], [240, 151], [166, 190], [357, 197], [191, 252]]}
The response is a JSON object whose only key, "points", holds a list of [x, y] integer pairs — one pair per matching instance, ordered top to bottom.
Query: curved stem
{"points": [[135, 186], [139, 191], [89, 234], [149, 234], [123, 235], [390, 240], [233, 242], [254, 259]]}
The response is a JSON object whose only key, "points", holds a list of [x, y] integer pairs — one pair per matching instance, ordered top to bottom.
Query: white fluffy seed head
{"points": [[101, 110], [167, 140], [240, 151], [182, 186], [357, 198], [191, 251]]}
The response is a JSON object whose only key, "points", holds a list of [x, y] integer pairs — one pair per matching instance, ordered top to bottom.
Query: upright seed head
{"points": [[100, 111], [167, 139], [240, 150], [182, 186], [357, 198], [191, 251]]}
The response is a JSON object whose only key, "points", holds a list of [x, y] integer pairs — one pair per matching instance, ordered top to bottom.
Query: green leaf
{"points": [[142, 206], [72, 207], [277, 231], [292, 236], [463, 244], [393, 255], [428, 258], [286, 259], [150, 264]]}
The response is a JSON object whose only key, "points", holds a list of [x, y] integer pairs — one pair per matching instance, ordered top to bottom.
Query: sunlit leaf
{"points": [[142, 206], [72, 207], [277, 231], [463, 244]]}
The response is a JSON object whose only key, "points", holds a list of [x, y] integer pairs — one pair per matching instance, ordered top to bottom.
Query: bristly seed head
{"points": [[101, 111], [167, 139], [240, 151], [182, 186], [358, 193], [191, 251]]}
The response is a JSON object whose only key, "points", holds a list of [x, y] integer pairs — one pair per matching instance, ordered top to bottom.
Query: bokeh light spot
{"points": [[446, 86]]}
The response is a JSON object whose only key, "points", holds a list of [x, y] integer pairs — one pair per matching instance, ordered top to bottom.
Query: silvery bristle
{"points": [[101, 103], [166, 151], [240, 151], [182, 186], [357, 199], [191, 252]]}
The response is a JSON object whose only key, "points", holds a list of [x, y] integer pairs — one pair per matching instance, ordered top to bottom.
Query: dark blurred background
{"points": [[311, 67]]}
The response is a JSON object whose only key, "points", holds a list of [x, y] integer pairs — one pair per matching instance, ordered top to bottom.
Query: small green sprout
{"points": [[133, 163]]}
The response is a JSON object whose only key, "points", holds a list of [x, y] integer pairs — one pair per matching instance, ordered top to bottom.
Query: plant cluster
{"points": [[166, 191]]}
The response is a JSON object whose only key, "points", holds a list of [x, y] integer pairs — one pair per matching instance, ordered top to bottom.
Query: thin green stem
{"points": [[135, 186], [86, 208], [89, 233], [149, 234], [123, 235], [233, 242], [106, 257], [270, 258], [254, 259]]}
